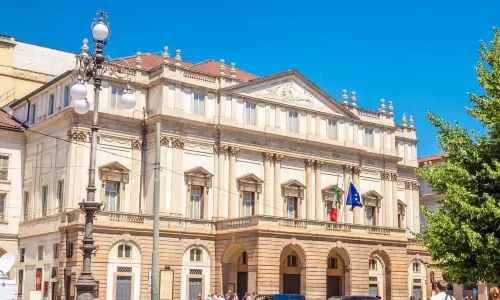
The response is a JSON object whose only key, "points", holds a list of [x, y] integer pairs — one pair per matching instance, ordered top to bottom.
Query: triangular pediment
{"points": [[293, 89], [114, 167], [198, 172], [250, 178], [293, 183], [331, 189], [372, 195], [401, 203]]}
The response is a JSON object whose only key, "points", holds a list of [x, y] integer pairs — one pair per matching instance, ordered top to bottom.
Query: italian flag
{"points": [[333, 212]]}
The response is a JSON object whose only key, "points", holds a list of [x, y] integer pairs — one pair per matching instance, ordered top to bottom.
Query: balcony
{"points": [[131, 222]]}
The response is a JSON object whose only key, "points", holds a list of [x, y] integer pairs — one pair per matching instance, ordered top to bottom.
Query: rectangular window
{"points": [[116, 95], [66, 96], [51, 104], [199, 105], [33, 113], [250, 113], [293, 121], [332, 129], [368, 137], [4, 167], [45, 195], [60, 195], [112, 196], [196, 202], [248, 204], [2, 206], [26, 206], [328, 206], [291, 207], [370, 215], [55, 248], [69, 250], [40, 252], [22, 254], [292, 261], [20, 280]]}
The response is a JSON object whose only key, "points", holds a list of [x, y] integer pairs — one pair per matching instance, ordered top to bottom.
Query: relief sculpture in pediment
{"points": [[288, 91]]}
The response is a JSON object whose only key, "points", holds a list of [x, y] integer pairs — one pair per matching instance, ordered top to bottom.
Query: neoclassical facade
{"points": [[249, 167]]}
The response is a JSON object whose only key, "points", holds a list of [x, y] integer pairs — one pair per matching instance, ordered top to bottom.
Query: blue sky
{"points": [[419, 54]]}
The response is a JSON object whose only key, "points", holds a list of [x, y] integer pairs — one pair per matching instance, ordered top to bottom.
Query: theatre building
{"points": [[249, 169]]}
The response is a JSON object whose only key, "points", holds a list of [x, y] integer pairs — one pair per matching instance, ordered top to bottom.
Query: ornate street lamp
{"points": [[92, 67]]}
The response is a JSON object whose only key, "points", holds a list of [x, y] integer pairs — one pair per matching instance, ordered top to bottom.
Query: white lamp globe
{"points": [[100, 32], [78, 91], [128, 100], [81, 106]]}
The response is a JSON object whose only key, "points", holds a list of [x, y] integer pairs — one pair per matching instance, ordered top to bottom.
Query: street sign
{"points": [[149, 279], [474, 291]]}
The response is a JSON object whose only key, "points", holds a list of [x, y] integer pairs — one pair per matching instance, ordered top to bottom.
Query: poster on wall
{"points": [[38, 282], [166, 284], [45, 288]]}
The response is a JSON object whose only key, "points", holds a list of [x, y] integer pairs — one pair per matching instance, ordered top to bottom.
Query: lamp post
{"points": [[92, 67]]}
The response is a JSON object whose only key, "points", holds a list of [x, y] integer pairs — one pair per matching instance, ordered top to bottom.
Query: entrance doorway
{"points": [[291, 283], [242, 284], [123, 286], [333, 286], [195, 288], [373, 290], [417, 292]]}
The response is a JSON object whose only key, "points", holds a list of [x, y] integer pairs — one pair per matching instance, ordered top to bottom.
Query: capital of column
{"points": [[164, 141], [178, 143], [136, 144], [220, 149], [233, 150], [267, 156], [278, 158], [309, 162], [317, 165], [347, 168], [356, 169], [384, 175], [394, 177], [407, 185], [415, 186]]}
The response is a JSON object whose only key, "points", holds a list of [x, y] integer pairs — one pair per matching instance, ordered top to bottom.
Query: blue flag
{"points": [[353, 198]]}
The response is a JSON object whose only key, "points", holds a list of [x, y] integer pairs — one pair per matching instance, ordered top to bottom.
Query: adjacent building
{"points": [[25, 67], [249, 167]]}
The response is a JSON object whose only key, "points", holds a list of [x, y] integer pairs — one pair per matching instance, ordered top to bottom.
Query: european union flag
{"points": [[353, 198]]}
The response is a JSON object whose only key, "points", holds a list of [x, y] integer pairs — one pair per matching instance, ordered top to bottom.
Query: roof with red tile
{"points": [[150, 61], [8, 123], [432, 158]]}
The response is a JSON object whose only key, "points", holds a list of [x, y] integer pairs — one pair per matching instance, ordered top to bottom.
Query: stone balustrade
{"points": [[132, 221]]}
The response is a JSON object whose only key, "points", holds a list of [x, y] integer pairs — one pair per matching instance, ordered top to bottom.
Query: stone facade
{"points": [[248, 173]]}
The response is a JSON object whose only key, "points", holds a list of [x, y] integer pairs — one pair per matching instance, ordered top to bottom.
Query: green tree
{"points": [[463, 237]]}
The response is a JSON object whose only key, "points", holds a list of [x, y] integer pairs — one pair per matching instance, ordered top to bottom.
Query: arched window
{"points": [[124, 251], [195, 255], [292, 261], [332, 263], [372, 264], [416, 267]]}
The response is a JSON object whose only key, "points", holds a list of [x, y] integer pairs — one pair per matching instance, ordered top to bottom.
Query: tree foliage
{"points": [[463, 237]]}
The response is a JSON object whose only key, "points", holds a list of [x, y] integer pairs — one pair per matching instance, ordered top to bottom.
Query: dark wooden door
{"points": [[291, 283], [242, 284], [333, 286], [123, 287]]}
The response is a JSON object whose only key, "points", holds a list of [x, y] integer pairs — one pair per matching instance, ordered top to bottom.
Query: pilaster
{"points": [[221, 152], [177, 180], [277, 185], [309, 188], [233, 197], [386, 202], [268, 204], [319, 205], [358, 211], [394, 211], [348, 214]]}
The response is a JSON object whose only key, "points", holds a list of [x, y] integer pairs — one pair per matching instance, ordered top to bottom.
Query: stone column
{"points": [[221, 179], [394, 179], [177, 180], [317, 184], [233, 197], [309, 199], [278, 201], [386, 201], [268, 203], [415, 208], [358, 211], [348, 215]]}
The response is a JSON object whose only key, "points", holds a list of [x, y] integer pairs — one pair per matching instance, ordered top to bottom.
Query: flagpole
{"points": [[345, 198]]}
